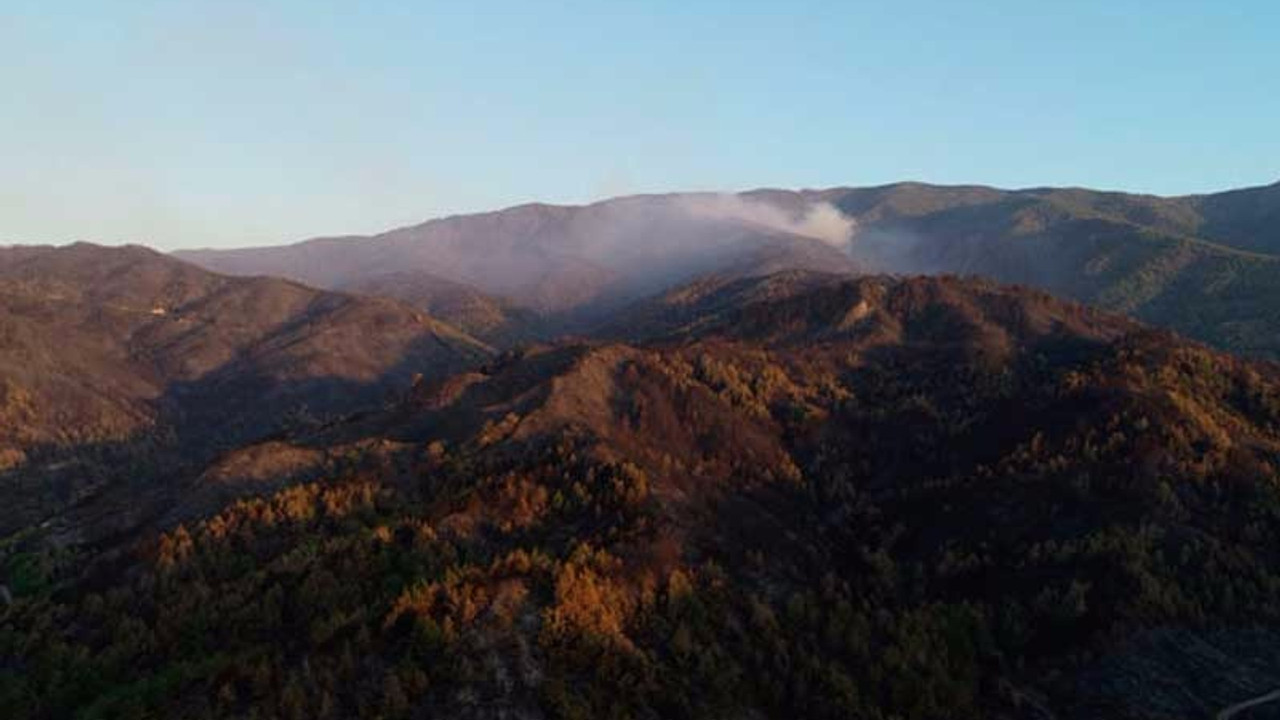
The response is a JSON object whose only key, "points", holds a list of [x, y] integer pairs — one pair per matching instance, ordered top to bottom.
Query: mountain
{"points": [[557, 260], [1198, 265], [1204, 265], [124, 361], [801, 495]]}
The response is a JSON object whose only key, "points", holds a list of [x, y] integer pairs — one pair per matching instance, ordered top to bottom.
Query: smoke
{"points": [[820, 221]]}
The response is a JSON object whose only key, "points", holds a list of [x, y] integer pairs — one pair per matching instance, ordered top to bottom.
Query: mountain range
{"points": [[1202, 265], [678, 456]]}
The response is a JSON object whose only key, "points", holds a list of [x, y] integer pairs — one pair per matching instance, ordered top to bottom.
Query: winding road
{"points": [[1240, 707]]}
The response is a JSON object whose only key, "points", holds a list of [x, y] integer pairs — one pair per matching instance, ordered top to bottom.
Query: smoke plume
{"points": [[820, 221]]}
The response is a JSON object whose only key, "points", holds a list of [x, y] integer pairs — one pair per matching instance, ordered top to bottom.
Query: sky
{"points": [[222, 123]]}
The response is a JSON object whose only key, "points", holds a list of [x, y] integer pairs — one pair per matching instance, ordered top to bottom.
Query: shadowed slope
{"points": [[496, 321], [110, 356]]}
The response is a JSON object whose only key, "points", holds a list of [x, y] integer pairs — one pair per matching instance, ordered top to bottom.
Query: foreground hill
{"points": [[111, 355], [799, 496]]}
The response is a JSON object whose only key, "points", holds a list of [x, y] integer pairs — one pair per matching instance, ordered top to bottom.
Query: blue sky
{"points": [[190, 123]]}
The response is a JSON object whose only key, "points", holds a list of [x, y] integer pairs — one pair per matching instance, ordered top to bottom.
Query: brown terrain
{"points": [[113, 357], [659, 457], [801, 494]]}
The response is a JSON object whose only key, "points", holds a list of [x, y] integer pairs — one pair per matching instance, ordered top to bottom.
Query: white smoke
{"points": [[820, 221]]}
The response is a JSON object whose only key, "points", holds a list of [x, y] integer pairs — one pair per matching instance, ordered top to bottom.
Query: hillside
{"points": [[1199, 265], [496, 321], [115, 359], [796, 496]]}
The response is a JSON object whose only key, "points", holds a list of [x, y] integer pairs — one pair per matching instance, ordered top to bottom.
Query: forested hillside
{"points": [[1204, 266], [121, 368], [800, 496]]}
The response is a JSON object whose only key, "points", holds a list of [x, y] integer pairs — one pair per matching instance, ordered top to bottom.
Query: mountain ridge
{"points": [[1203, 265]]}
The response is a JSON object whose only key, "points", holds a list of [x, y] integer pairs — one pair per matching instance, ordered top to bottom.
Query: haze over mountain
{"points": [[567, 260], [1202, 265]]}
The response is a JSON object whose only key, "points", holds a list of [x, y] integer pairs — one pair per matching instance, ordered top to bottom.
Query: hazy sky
{"points": [[187, 123]]}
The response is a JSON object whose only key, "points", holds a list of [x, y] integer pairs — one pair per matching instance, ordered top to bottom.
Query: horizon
{"points": [[240, 125]]}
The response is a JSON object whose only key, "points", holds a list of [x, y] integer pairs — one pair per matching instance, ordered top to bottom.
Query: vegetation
{"points": [[1204, 266], [120, 365], [866, 498]]}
